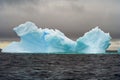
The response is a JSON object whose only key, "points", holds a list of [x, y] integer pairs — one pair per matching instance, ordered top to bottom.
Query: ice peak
{"points": [[25, 28], [34, 40]]}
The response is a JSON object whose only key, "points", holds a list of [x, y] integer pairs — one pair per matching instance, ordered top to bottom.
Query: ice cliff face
{"points": [[34, 40]]}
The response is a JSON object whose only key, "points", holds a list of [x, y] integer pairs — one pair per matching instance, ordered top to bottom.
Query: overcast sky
{"points": [[73, 17]]}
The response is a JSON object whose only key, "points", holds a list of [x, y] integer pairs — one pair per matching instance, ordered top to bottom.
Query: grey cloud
{"points": [[16, 2], [73, 17]]}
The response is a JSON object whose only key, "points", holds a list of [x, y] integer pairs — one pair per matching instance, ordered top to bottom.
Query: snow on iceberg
{"points": [[37, 40]]}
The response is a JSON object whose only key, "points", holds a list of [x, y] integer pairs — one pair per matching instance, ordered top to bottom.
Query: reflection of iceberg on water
{"points": [[34, 40]]}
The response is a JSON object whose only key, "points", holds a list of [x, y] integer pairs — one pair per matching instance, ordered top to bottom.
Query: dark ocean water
{"points": [[59, 66]]}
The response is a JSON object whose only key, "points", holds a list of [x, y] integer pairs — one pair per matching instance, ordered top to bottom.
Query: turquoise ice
{"points": [[38, 40], [94, 41], [119, 50]]}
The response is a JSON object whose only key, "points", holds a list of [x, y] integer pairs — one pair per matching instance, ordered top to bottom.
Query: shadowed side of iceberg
{"points": [[37, 40]]}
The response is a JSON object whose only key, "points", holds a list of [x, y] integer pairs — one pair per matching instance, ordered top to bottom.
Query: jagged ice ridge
{"points": [[38, 40]]}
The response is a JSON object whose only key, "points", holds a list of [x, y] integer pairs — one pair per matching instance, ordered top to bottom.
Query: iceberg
{"points": [[38, 40], [94, 41], [119, 50]]}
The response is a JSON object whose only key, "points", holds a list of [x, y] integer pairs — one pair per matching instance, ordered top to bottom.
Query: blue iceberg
{"points": [[38, 40], [94, 41], [119, 50]]}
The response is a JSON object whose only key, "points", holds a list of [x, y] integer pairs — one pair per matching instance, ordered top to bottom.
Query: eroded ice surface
{"points": [[37, 40]]}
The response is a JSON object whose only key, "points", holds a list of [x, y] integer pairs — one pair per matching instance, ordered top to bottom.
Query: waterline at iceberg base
{"points": [[37, 40]]}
